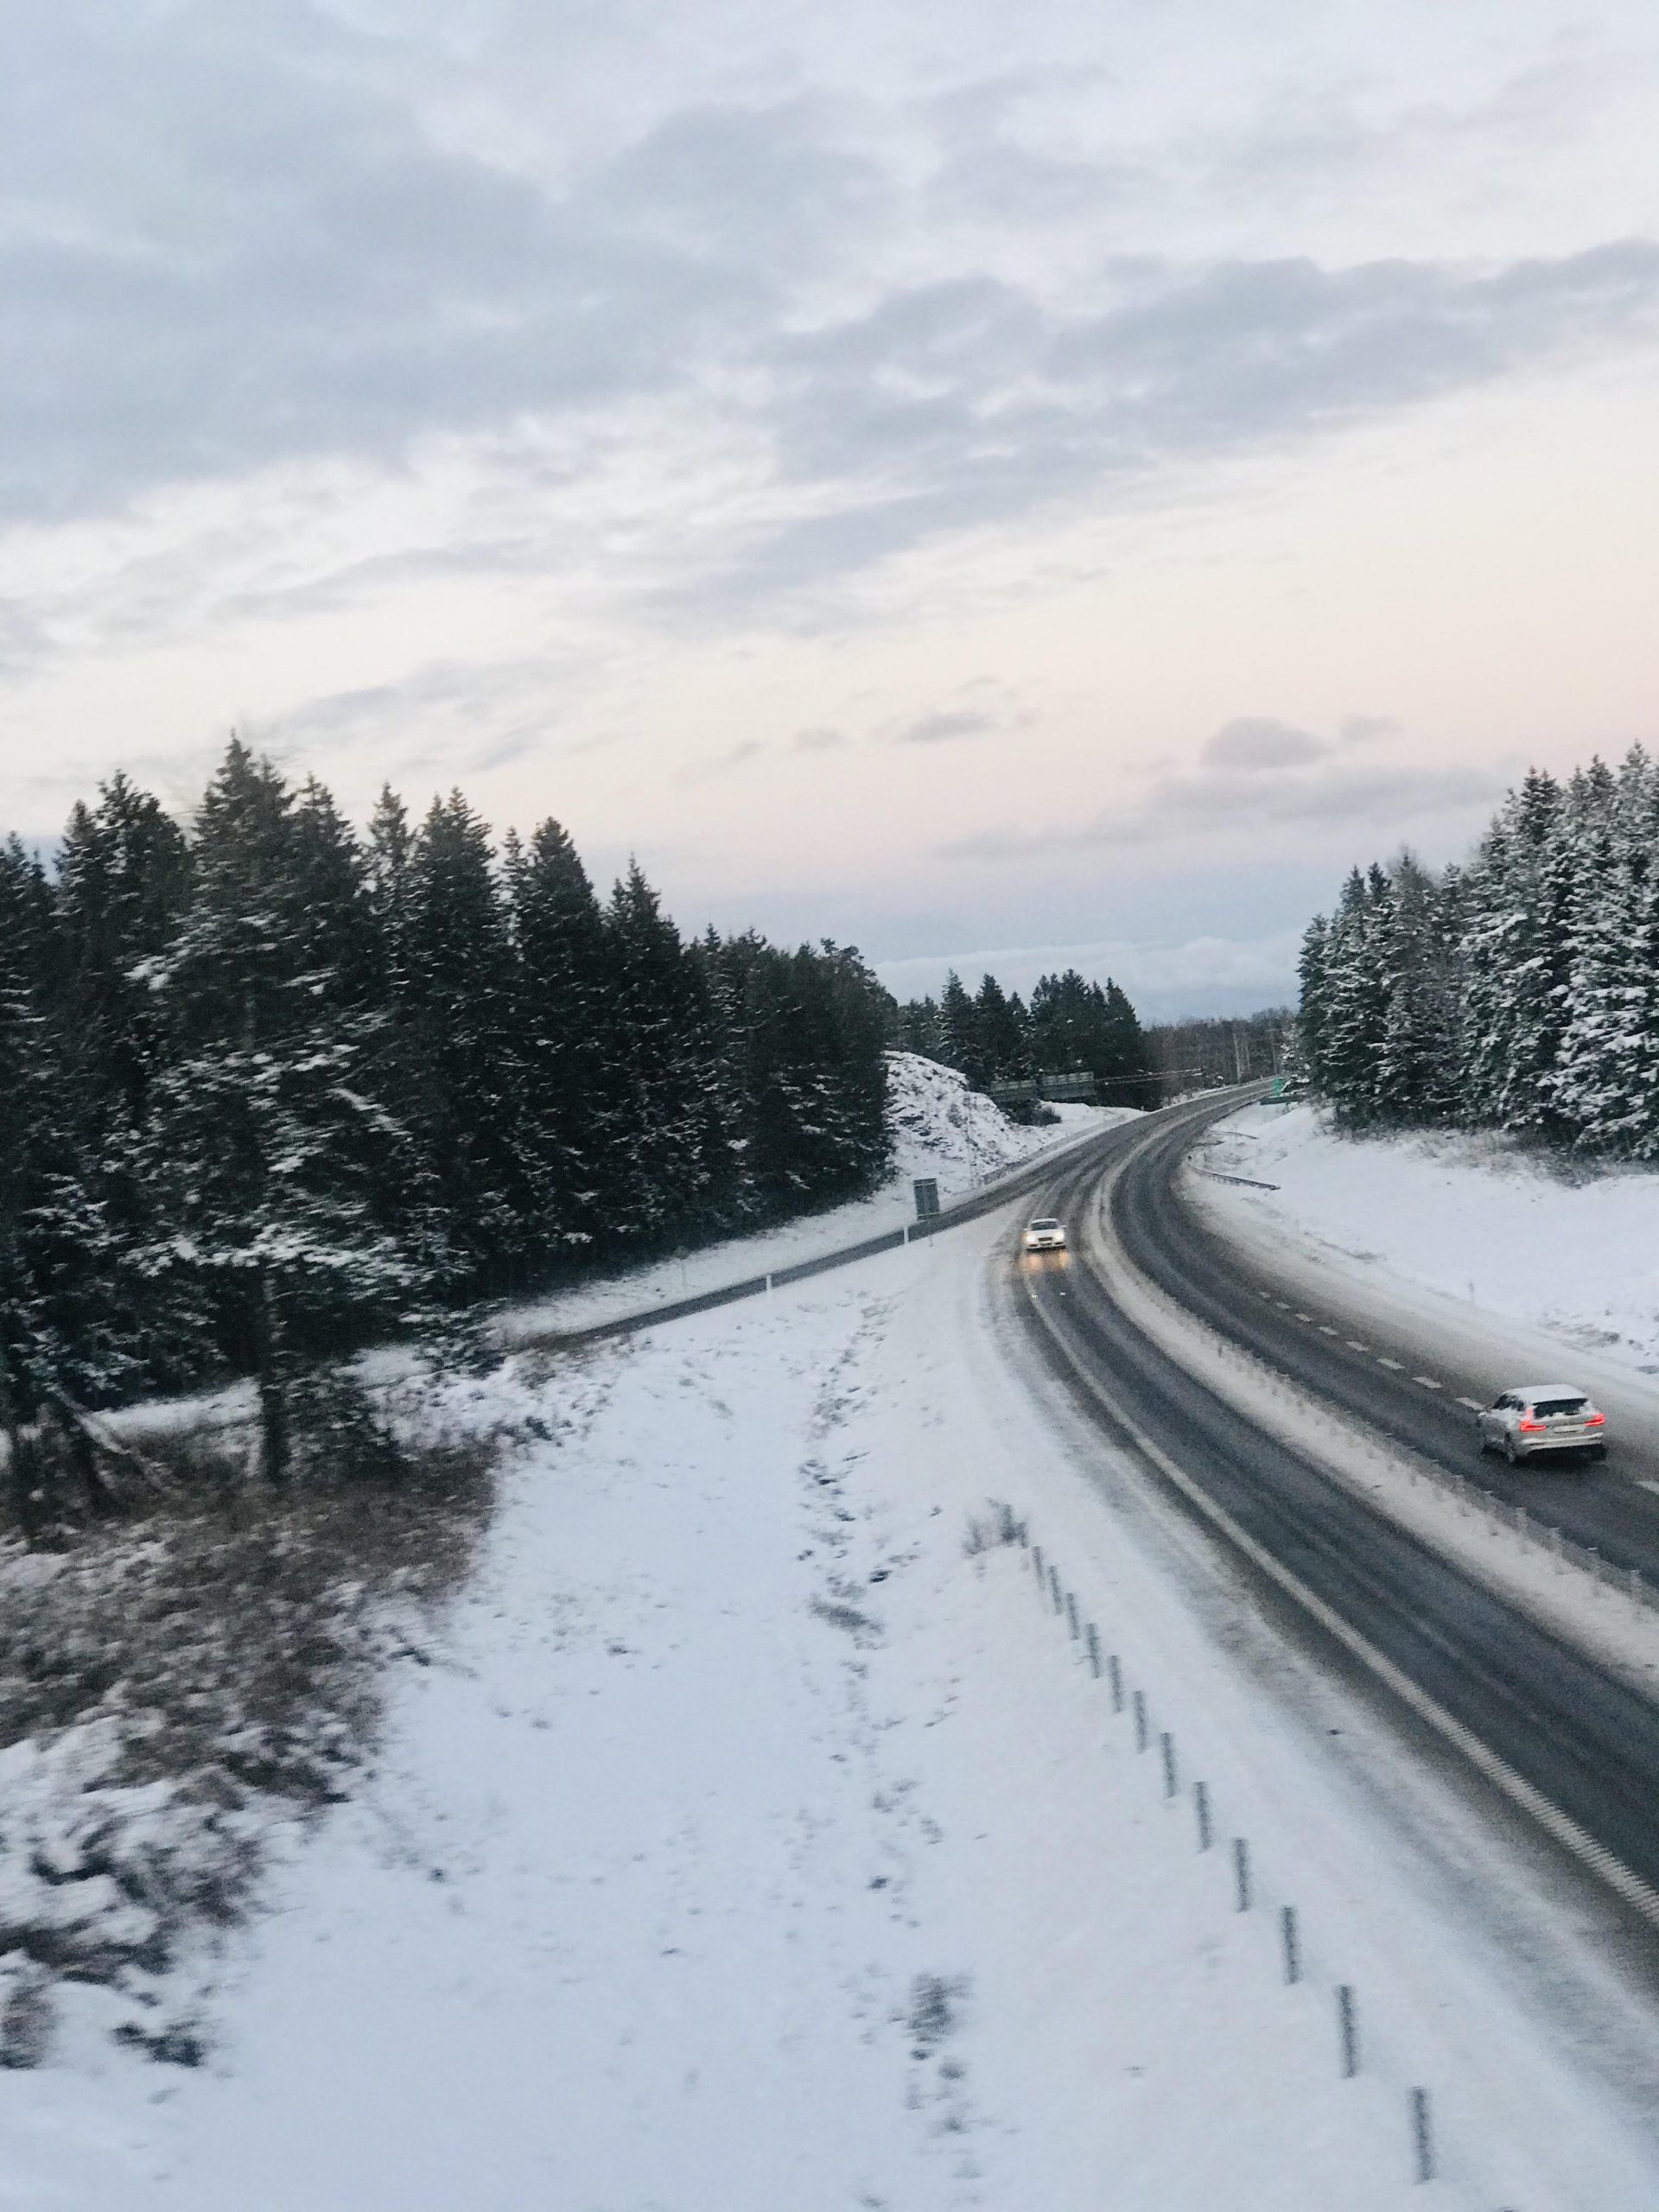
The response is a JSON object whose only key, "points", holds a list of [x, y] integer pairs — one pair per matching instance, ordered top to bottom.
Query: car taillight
{"points": [[1595, 1420], [1531, 1427]]}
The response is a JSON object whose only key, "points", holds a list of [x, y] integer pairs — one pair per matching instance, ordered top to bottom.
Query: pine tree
{"points": [[1415, 938], [1516, 1006], [459, 1009], [958, 1031], [1002, 1045], [1605, 1085], [574, 1104], [268, 1137], [678, 1159]]}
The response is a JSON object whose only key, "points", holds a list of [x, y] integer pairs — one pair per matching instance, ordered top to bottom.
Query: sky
{"points": [[1003, 487]]}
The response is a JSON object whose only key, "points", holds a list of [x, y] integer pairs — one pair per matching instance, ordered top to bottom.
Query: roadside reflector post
{"points": [[1037, 1563], [1054, 1586], [1071, 1616], [1094, 1650], [1116, 1674], [1141, 1737], [1167, 1747], [1201, 1809], [1241, 1875], [1292, 1943], [1347, 2031], [1422, 2139]]}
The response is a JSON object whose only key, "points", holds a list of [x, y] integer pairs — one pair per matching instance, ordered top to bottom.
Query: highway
{"points": [[1416, 1388], [1575, 1747]]}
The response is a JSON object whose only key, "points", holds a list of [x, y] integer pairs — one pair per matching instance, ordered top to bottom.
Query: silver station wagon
{"points": [[1539, 1417]]}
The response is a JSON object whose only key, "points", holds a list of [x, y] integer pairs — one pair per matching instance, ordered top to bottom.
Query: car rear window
{"points": [[1560, 1405]]}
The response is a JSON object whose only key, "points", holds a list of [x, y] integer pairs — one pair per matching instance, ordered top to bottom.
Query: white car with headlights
{"points": [[1044, 1235], [1538, 1417]]}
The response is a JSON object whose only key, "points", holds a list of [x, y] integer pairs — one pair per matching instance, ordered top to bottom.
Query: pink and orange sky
{"points": [[1003, 487]]}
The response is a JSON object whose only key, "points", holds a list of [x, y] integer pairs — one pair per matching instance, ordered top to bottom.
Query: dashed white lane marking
{"points": [[1304, 1316], [1324, 1330], [1354, 1345], [1397, 1365], [1428, 1383], [1473, 1404], [1643, 1483]]}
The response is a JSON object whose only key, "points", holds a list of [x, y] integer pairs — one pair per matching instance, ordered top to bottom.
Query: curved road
{"points": [[1424, 1403], [1562, 1737]]}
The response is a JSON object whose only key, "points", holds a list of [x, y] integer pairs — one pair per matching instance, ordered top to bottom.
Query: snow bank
{"points": [[1575, 1254], [756, 1838]]}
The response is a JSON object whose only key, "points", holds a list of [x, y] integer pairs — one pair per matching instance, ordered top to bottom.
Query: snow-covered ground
{"points": [[941, 1128], [1488, 1233], [753, 1842]]}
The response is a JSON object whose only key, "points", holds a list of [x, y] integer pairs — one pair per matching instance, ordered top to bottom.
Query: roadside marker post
{"points": [[1347, 2031], [1422, 2139]]}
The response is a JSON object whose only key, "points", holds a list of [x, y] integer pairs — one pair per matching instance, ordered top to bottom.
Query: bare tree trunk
{"points": [[276, 1438], [25, 1474], [100, 1499]]}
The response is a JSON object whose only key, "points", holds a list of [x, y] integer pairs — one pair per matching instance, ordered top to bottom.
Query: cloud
{"points": [[254, 248], [947, 726], [1366, 729], [818, 740], [1258, 741], [724, 764], [1257, 775], [1162, 976]]}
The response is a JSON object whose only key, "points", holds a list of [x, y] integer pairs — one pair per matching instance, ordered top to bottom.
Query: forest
{"points": [[1518, 992], [1069, 1026], [275, 1090]]}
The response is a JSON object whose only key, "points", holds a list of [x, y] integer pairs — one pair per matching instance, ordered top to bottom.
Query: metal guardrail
{"points": [[1009, 1185]]}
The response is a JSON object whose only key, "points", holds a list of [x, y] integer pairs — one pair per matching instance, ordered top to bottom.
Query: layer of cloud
{"points": [[272, 256], [947, 726], [1258, 741], [1258, 774], [1163, 974]]}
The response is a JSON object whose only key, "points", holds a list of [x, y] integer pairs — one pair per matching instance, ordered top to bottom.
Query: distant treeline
{"points": [[1519, 991], [993, 1037], [1207, 1051], [270, 1088]]}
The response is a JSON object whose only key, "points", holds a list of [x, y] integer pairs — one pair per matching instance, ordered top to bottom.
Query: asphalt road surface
{"points": [[1413, 1389], [1582, 1744]]}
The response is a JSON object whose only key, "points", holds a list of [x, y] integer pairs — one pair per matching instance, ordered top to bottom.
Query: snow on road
{"points": [[1510, 1234], [753, 1844]]}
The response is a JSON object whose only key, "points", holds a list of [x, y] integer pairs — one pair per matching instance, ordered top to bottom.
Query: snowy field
{"points": [[941, 1128], [1495, 1232], [752, 1841]]}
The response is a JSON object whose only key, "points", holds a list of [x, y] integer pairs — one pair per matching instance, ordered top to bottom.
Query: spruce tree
{"points": [[459, 1009], [574, 1102], [268, 1138]]}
